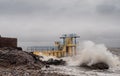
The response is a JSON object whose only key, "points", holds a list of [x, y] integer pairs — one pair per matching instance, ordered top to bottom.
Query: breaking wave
{"points": [[92, 53]]}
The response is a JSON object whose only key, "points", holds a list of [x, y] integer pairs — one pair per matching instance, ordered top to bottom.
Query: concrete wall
{"points": [[8, 42]]}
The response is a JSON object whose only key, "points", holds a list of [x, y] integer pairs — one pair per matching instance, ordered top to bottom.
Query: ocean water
{"points": [[90, 53], [80, 71]]}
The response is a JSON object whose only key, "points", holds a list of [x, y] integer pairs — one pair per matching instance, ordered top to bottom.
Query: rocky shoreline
{"points": [[14, 62]]}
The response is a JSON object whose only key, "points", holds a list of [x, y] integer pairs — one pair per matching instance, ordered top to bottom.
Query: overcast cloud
{"points": [[42, 21]]}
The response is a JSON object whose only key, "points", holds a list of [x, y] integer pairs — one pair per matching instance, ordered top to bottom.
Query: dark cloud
{"points": [[109, 7], [60, 8], [46, 20]]}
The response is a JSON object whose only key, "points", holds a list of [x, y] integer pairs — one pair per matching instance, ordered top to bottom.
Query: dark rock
{"points": [[11, 48], [19, 48], [10, 58], [55, 62], [21, 63], [100, 65], [47, 66]]}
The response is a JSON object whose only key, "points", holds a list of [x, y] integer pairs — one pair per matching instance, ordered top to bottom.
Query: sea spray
{"points": [[91, 53]]}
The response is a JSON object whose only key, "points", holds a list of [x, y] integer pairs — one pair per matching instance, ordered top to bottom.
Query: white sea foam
{"points": [[92, 53]]}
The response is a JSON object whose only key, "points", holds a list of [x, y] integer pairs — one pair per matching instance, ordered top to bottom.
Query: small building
{"points": [[8, 42]]}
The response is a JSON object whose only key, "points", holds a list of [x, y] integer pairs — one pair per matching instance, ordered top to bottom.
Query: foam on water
{"points": [[89, 53], [92, 53], [77, 71]]}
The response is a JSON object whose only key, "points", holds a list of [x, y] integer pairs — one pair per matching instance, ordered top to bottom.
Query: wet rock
{"points": [[11, 48], [19, 48], [10, 58], [15, 62], [55, 62], [100, 65], [47, 66], [14, 72]]}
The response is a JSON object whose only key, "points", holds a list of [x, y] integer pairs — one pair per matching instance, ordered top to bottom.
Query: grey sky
{"points": [[45, 20]]}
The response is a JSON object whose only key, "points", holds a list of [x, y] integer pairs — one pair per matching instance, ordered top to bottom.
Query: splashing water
{"points": [[92, 53]]}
